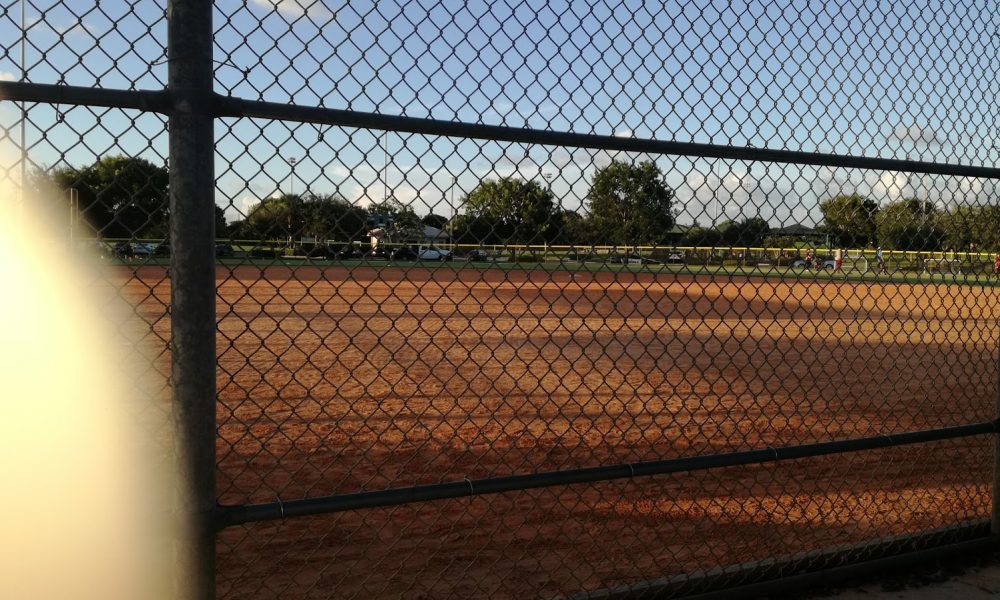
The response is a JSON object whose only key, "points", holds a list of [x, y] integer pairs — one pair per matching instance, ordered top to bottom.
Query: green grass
{"points": [[775, 273]]}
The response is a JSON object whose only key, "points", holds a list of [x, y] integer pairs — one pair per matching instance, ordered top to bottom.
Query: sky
{"points": [[905, 80]]}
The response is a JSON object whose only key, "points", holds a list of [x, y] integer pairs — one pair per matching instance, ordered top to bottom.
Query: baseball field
{"points": [[334, 380]]}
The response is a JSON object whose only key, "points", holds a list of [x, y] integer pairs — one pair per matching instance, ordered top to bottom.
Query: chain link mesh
{"points": [[399, 309]]}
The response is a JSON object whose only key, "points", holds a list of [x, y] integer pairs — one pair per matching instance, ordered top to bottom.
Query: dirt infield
{"points": [[334, 381]]}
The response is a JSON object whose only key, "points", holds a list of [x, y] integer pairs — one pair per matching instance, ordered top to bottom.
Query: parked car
{"points": [[143, 249], [162, 249], [103, 250], [123, 250], [224, 251], [349, 253], [404, 253], [433, 253], [376, 254], [477, 256], [635, 259], [828, 263]]}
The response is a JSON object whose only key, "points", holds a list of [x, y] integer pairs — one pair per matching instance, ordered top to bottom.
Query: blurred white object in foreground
{"points": [[84, 502]]}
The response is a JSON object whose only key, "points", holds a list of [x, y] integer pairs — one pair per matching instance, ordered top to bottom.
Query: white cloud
{"points": [[313, 9], [36, 24], [78, 27], [8, 76], [502, 106], [625, 133], [917, 134], [585, 159], [514, 161], [894, 185], [890, 186], [740, 193], [709, 197], [421, 199], [238, 210]]}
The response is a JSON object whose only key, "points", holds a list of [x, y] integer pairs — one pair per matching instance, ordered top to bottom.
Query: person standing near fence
{"points": [[880, 260], [838, 261], [996, 265]]}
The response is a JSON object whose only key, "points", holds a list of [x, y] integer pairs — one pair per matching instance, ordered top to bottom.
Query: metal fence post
{"points": [[192, 240], [995, 514]]}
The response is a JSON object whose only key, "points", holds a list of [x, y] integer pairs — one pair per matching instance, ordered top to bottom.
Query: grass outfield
{"points": [[908, 277]]}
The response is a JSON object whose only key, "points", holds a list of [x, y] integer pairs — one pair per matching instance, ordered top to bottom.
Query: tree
{"points": [[120, 196], [631, 204], [516, 211], [277, 216], [330, 217], [324, 218], [433, 220], [850, 220], [220, 221], [403, 224], [909, 224], [971, 227], [471, 229], [574, 229], [755, 230], [728, 232], [749, 232], [696, 235], [781, 241]]}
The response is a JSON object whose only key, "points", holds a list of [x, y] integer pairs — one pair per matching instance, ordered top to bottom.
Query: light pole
{"points": [[24, 110], [385, 165], [291, 175], [548, 178], [718, 191], [74, 209], [288, 209], [454, 213]]}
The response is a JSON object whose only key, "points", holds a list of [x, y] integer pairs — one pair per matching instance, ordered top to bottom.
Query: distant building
{"points": [[381, 221], [677, 233], [428, 236]]}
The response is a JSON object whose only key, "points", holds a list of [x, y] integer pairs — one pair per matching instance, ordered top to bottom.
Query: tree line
{"points": [[627, 204]]}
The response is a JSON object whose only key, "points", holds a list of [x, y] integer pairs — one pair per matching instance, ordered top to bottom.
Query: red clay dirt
{"points": [[334, 381]]}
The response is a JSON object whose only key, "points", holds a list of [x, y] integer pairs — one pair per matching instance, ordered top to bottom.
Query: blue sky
{"points": [[910, 80]]}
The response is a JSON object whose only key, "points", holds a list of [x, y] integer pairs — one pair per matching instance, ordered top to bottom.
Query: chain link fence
{"points": [[540, 300]]}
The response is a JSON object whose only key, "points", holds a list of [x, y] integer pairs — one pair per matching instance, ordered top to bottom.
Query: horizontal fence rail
{"points": [[223, 106], [235, 515]]}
